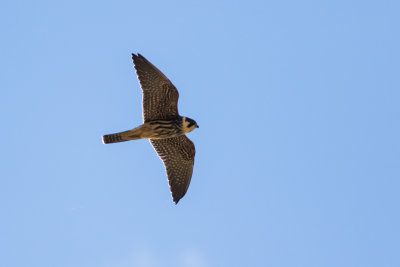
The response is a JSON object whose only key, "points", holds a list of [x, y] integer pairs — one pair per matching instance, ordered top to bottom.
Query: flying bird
{"points": [[163, 126]]}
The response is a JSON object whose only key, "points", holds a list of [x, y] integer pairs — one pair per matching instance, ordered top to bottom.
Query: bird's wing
{"points": [[160, 97], [177, 153]]}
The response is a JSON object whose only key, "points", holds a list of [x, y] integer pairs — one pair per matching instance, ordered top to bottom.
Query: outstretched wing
{"points": [[160, 97], [177, 153]]}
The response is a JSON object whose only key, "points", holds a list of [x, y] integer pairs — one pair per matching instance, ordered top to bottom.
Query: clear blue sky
{"points": [[298, 150]]}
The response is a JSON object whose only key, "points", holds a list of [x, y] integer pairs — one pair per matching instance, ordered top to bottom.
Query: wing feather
{"points": [[160, 96], [177, 153]]}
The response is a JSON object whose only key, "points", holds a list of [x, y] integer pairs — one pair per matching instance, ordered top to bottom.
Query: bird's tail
{"points": [[122, 136], [113, 138]]}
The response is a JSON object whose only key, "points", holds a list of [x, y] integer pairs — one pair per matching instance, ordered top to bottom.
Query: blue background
{"points": [[298, 148]]}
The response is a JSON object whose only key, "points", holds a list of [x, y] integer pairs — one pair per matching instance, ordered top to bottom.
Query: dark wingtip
{"points": [[137, 57], [177, 197], [176, 200]]}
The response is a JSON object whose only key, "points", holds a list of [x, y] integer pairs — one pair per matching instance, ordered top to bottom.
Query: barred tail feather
{"points": [[133, 134], [113, 138]]}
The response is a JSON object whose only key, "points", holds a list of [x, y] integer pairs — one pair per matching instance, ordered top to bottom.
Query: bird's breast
{"points": [[160, 129]]}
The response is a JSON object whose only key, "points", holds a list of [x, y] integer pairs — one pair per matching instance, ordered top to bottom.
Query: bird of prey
{"points": [[163, 126]]}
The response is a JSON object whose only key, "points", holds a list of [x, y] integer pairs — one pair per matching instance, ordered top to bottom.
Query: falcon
{"points": [[163, 126]]}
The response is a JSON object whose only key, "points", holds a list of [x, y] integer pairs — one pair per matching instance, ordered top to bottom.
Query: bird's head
{"points": [[189, 124]]}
